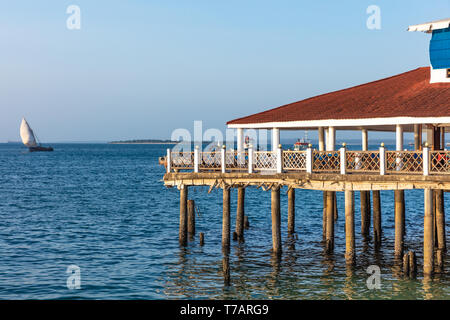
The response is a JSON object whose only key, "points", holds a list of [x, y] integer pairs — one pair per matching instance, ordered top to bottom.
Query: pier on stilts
{"points": [[416, 101]]}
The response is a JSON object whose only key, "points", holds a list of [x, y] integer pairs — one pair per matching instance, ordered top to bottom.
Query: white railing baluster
{"points": [[196, 158], [223, 159], [250, 159], [279, 159], [309, 159], [343, 159], [169, 160], [382, 160], [426, 160]]}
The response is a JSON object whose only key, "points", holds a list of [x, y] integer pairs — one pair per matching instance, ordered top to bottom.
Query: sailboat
{"points": [[29, 139]]}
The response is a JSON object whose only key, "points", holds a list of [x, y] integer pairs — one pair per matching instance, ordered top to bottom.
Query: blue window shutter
{"points": [[440, 49]]}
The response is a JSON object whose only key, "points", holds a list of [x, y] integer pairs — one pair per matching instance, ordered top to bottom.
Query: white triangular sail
{"points": [[27, 134]]}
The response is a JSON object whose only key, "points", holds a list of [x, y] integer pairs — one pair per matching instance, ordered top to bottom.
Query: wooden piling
{"points": [[399, 196], [335, 209], [291, 211], [240, 212], [365, 213], [183, 215], [324, 216], [191, 218], [376, 218], [226, 219], [276, 219], [440, 220], [246, 222], [349, 227], [201, 236], [428, 239], [329, 244], [406, 264], [412, 264], [226, 270]]}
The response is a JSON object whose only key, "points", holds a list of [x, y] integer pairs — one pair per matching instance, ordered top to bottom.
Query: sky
{"points": [[140, 69]]}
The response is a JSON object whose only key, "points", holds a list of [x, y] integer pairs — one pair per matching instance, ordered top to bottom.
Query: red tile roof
{"points": [[407, 94]]}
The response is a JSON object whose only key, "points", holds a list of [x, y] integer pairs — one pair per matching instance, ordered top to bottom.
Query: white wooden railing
{"points": [[343, 161]]}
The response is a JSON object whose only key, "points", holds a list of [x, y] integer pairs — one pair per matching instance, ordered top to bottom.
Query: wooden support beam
{"points": [[399, 196], [335, 209], [291, 211], [240, 212], [365, 213], [183, 215], [324, 216], [191, 218], [376, 218], [226, 219], [276, 220], [440, 220], [350, 227], [428, 238], [329, 244]]}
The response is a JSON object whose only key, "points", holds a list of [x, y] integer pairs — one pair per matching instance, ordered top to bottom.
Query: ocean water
{"points": [[104, 209]]}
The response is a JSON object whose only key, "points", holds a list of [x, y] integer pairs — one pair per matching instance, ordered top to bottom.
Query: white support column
{"points": [[430, 136], [275, 138], [399, 138], [240, 139], [321, 139], [331, 139], [365, 140], [240, 145], [398, 145], [223, 157], [196, 158], [250, 159], [279, 159], [343, 159], [426, 159], [169, 160], [309, 160], [382, 160]]}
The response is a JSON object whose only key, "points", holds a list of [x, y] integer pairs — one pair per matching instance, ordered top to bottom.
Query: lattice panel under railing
{"points": [[182, 160], [235, 160], [265, 160], [294, 160], [210, 161], [326, 161], [363, 161], [404, 162], [440, 162]]}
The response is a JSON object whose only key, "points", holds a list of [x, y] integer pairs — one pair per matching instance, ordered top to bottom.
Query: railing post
{"points": [[196, 158], [223, 158], [250, 159], [279, 159], [309, 159], [343, 159], [426, 159], [382, 160], [169, 161]]}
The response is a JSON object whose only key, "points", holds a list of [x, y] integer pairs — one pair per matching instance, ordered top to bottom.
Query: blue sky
{"points": [[140, 69]]}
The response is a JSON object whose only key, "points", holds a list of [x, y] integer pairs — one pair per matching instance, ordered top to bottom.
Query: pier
{"points": [[414, 101]]}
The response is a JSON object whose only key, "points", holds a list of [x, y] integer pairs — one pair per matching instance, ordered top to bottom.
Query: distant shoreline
{"points": [[143, 142]]}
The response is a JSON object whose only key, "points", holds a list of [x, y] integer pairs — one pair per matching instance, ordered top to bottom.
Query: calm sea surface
{"points": [[104, 208]]}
